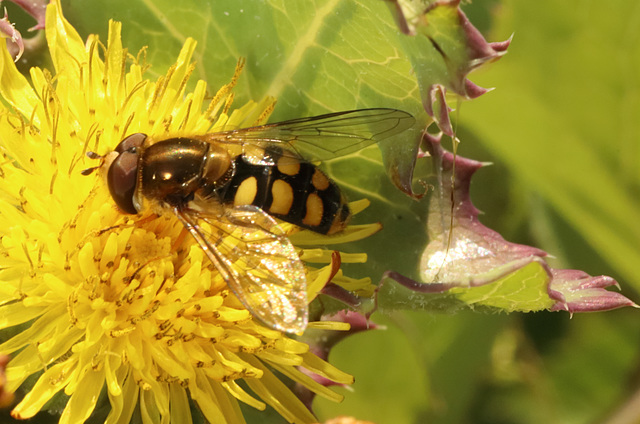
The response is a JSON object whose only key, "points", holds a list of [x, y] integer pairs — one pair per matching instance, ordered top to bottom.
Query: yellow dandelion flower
{"points": [[104, 305]]}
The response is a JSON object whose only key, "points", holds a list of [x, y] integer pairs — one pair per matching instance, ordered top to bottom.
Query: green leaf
{"points": [[315, 57], [563, 119], [524, 290], [425, 367]]}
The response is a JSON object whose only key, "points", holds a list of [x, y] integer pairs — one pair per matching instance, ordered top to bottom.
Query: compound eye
{"points": [[130, 143], [122, 179]]}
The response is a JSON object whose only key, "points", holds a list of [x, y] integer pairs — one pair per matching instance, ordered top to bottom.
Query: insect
{"points": [[227, 189]]}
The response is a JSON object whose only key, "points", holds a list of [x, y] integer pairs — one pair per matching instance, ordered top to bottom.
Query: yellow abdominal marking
{"points": [[288, 166], [320, 180], [246, 192], [282, 194], [313, 217]]}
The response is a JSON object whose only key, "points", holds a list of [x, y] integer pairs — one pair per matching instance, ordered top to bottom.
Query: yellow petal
{"points": [[65, 45], [114, 61], [14, 87], [325, 369], [299, 377], [49, 383], [237, 392], [202, 393], [276, 394], [82, 402], [122, 407], [180, 410]]}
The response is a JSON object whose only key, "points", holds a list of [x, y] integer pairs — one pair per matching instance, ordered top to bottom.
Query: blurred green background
{"points": [[562, 128]]}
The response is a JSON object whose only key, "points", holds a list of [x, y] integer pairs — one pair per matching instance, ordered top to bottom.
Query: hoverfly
{"points": [[228, 187]]}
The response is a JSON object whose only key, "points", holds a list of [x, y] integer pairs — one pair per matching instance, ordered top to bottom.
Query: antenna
{"points": [[92, 155]]}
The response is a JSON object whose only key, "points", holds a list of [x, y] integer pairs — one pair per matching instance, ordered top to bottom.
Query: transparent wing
{"points": [[319, 137], [259, 263]]}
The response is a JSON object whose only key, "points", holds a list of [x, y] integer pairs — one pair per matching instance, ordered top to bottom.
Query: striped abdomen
{"points": [[293, 191]]}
